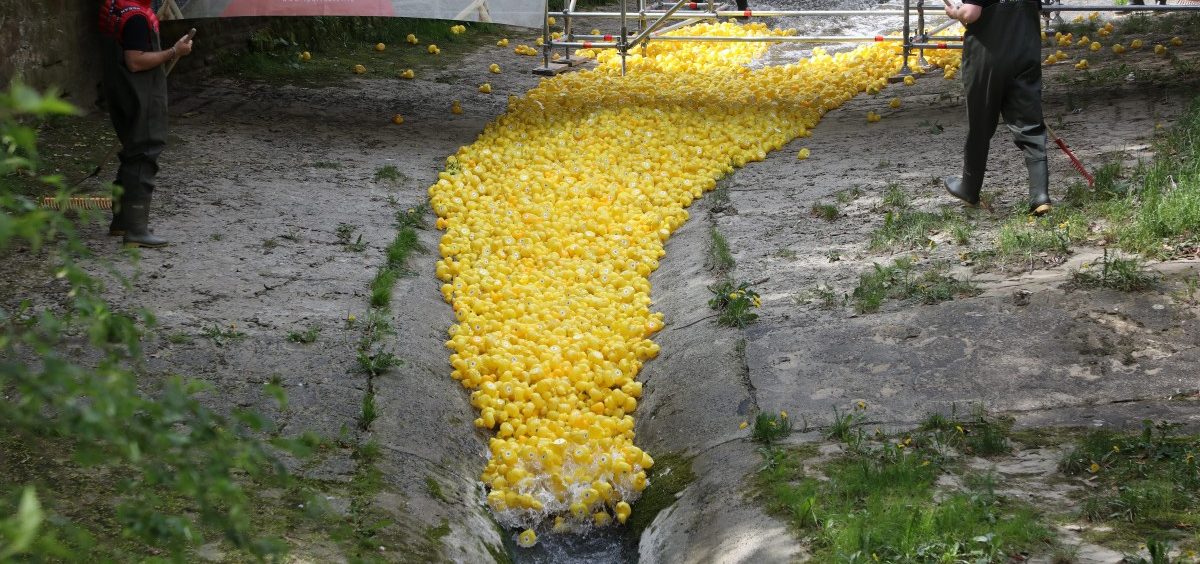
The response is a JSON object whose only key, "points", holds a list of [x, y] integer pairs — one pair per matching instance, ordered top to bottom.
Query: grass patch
{"points": [[339, 43], [388, 173], [895, 198], [828, 212], [414, 217], [905, 229], [720, 258], [1116, 273], [900, 281], [734, 303], [220, 336], [304, 337], [374, 364], [368, 413], [770, 428], [671, 473], [1149, 484], [434, 488], [876, 503]]}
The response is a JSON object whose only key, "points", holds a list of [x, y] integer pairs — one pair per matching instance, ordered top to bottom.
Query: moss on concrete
{"points": [[670, 475]]}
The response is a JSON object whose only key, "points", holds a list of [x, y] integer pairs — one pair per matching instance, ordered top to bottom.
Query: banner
{"points": [[526, 13]]}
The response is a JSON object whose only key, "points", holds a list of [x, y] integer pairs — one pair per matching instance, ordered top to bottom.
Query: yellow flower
{"points": [[351, 318], [861, 405], [783, 414], [743, 425], [960, 429], [1094, 468]]}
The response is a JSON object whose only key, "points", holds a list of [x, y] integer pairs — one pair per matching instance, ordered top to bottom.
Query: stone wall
{"points": [[51, 43], [54, 43]]}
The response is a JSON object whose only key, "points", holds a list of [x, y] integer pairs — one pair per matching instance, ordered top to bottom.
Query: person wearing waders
{"points": [[1002, 75], [135, 88]]}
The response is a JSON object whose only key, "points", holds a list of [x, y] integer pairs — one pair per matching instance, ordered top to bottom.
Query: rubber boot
{"points": [[1039, 186], [958, 189], [117, 227], [137, 227]]}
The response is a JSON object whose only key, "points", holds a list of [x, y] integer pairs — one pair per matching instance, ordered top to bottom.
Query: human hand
{"points": [[183, 47]]}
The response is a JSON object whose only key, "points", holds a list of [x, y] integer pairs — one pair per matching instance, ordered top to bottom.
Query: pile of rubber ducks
{"points": [[554, 219]]}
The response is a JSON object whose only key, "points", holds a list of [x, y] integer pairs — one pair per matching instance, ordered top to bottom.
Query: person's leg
{"points": [[983, 109], [1022, 111]]}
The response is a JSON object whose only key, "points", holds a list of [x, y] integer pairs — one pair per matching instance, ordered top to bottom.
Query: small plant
{"points": [[934, 128], [326, 164], [388, 173], [846, 196], [895, 198], [720, 200], [828, 212], [413, 217], [904, 229], [344, 232], [961, 233], [216, 236], [293, 236], [270, 243], [358, 245], [786, 253], [833, 255], [720, 258], [1124, 274], [900, 281], [381, 287], [826, 297], [733, 303], [220, 336], [304, 337], [179, 339], [376, 364], [368, 413], [846, 427], [770, 428]]}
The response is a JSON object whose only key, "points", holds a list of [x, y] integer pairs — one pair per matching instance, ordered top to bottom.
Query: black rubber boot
{"points": [[1039, 187], [956, 188], [117, 227], [137, 227]]}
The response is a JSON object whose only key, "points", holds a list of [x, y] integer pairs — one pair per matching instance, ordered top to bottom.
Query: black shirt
{"points": [[136, 36]]}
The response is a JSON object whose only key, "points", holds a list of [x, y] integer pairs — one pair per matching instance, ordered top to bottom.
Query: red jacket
{"points": [[114, 14]]}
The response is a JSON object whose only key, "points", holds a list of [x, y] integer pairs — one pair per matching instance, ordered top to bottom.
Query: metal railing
{"points": [[652, 25]]}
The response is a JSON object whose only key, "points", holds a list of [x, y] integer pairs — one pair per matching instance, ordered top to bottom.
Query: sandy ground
{"points": [[258, 178]]}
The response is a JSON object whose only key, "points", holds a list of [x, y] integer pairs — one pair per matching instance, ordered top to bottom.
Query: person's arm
{"points": [[964, 13], [138, 61]]}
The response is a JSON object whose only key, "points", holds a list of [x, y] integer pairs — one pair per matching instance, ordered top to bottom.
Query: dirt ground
{"points": [[259, 177]]}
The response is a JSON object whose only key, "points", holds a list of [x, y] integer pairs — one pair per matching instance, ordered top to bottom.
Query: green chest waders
{"points": [[1002, 75], [137, 105]]}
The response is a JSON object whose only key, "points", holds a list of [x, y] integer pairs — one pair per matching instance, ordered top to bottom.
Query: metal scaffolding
{"points": [[652, 25]]}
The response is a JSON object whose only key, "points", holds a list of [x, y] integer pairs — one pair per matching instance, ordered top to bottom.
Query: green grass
{"points": [[339, 43], [389, 173], [894, 197], [828, 212], [413, 217], [905, 229], [720, 258], [1116, 273], [901, 281], [381, 287], [734, 303], [221, 336], [304, 337], [374, 364], [368, 413], [770, 428], [1148, 484], [434, 488], [876, 504]]}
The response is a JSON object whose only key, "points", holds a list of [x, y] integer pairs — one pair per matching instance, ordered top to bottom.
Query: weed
{"points": [[934, 128], [326, 164], [388, 173], [846, 196], [895, 198], [720, 200], [828, 212], [414, 217], [905, 229], [344, 232], [961, 233], [217, 236], [293, 236], [1038, 239], [270, 243], [404, 245], [357, 246], [786, 253], [833, 255], [720, 258], [1124, 274], [900, 281], [381, 287], [826, 297], [733, 302], [376, 327], [221, 336], [305, 337], [179, 339], [376, 364], [368, 413], [846, 427], [770, 428], [1151, 480]]}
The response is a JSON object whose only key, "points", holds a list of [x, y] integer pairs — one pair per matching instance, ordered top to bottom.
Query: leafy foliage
{"points": [[184, 467]]}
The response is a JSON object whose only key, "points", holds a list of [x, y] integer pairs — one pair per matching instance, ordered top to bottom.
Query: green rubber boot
{"points": [[137, 227]]}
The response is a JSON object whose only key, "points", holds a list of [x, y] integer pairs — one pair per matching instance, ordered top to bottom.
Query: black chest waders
{"points": [[1002, 75], [137, 105]]}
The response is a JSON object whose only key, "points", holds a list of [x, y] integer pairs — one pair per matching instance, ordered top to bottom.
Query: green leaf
{"points": [[21, 529]]}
